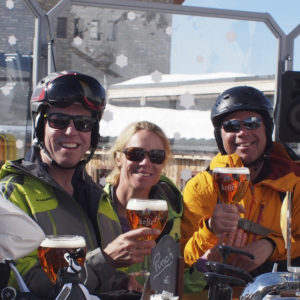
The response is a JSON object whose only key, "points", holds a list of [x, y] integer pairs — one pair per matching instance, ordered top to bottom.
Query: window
{"points": [[61, 28], [95, 30], [111, 34]]}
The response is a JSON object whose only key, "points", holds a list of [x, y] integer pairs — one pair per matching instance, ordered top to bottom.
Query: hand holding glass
{"points": [[231, 183], [151, 213]]}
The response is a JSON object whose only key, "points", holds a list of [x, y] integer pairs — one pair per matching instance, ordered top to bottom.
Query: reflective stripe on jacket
{"points": [[30, 187]]}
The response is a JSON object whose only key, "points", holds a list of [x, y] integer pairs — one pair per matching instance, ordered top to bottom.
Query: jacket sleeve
{"points": [[199, 201], [20, 235], [280, 251], [28, 266], [97, 275], [100, 275]]}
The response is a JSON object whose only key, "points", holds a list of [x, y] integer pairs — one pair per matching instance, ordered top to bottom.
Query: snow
{"points": [[168, 78], [189, 124]]}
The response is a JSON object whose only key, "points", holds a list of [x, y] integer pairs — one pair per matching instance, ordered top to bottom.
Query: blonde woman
{"points": [[138, 156]]}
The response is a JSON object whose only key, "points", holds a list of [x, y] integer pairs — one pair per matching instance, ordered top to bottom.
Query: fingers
{"points": [[241, 208], [225, 218], [142, 232], [222, 238], [244, 238], [137, 239], [230, 239], [236, 239], [128, 248], [136, 255], [243, 262], [133, 284]]}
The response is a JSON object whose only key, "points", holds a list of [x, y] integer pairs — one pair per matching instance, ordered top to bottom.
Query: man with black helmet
{"points": [[243, 124], [51, 183]]}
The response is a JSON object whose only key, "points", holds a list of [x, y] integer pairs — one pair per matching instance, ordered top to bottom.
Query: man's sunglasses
{"points": [[61, 121], [250, 123], [156, 156]]}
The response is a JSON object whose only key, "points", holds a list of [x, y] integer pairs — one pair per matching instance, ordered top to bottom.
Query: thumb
{"points": [[241, 208]]}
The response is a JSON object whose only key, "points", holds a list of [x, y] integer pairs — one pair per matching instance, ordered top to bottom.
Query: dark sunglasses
{"points": [[61, 121], [250, 123], [156, 156]]}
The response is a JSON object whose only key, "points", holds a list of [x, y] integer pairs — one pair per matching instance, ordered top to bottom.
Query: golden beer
{"points": [[231, 183], [147, 213], [52, 249]]}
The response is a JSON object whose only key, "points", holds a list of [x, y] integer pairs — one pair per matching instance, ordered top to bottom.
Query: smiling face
{"points": [[248, 144], [67, 146], [137, 178]]}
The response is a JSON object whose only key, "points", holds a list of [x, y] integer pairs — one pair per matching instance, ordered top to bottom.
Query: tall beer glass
{"points": [[231, 183], [147, 213], [52, 249]]}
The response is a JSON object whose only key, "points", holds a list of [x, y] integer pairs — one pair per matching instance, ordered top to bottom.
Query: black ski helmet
{"points": [[61, 89], [242, 98]]}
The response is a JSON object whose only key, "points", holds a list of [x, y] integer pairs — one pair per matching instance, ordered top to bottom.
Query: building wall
{"points": [[12, 27], [142, 41]]}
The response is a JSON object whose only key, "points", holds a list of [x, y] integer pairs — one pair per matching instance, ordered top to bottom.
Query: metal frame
{"points": [[44, 23], [39, 68]]}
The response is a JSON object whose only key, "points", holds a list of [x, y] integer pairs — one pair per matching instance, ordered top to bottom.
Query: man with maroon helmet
{"points": [[51, 184]]}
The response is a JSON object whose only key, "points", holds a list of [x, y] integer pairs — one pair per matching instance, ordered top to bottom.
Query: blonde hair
{"points": [[123, 139]]}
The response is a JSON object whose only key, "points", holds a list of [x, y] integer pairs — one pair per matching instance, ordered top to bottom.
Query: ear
{"points": [[118, 159]]}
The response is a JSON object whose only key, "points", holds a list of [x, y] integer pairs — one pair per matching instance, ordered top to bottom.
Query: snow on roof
{"points": [[168, 78], [177, 124]]}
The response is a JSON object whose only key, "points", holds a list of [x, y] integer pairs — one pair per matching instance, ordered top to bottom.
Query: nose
{"points": [[70, 128], [243, 129], [146, 160]]}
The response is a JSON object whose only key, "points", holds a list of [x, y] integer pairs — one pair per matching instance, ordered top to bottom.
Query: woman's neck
{"points": [[123, 194]]}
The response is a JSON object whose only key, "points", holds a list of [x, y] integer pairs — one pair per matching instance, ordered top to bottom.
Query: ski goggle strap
{"points": [[66, 89]]}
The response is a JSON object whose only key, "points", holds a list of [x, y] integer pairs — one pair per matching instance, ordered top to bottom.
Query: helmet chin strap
{"points": [[257, 162], [55, 164]]}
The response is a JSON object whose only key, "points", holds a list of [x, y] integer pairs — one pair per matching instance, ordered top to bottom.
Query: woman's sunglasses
{"points": [[61, 121], [250, 123], [156, 156]]}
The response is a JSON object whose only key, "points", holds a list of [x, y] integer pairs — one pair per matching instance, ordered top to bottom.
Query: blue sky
{"points": [[285, 12], [206, 45]]}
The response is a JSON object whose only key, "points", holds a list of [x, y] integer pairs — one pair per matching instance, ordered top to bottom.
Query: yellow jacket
{"points": [[262, 202]]}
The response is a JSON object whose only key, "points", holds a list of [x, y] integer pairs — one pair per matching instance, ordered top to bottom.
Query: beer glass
{"points": [[231, 183], [147, 213], [52, 249]]}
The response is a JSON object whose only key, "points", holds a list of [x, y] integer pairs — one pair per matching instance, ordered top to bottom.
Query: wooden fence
{"points": [[179, 170]]}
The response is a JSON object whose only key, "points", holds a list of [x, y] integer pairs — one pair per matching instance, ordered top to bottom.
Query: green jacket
{"points": [[27, 184], [110, 226]]}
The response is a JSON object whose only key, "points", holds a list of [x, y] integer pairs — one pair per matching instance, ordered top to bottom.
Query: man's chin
{"points": [[245, 160], [67, 165]]}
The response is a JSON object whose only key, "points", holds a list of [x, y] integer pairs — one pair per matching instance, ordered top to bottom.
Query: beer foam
{"points": [[231, 170], [143, 204], [72, 241]]}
